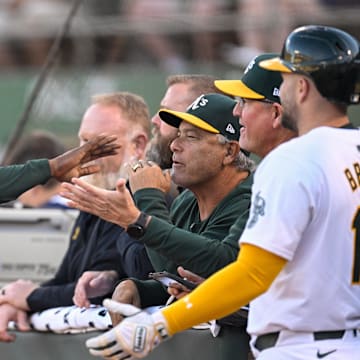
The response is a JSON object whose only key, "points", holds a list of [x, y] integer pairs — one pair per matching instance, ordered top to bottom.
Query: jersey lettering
{"points": [[353, 178], [356, 261]]}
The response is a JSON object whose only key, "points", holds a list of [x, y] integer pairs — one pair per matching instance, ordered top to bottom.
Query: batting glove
{"points": [[137, 335]]}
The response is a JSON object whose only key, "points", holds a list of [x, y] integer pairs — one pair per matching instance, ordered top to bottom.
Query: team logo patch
{"points": [[276, 92], [230, 129], [258, 209], [76, 233]]}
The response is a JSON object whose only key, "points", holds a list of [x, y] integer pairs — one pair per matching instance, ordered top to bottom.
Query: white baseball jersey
{"points": [[306, 209]]}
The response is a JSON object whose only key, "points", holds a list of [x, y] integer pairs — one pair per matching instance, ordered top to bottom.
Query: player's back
{"points": [[314, 222]]}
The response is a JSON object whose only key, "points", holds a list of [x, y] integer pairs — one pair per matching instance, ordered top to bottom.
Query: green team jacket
{"points": [[16, 179], [178, 237]]}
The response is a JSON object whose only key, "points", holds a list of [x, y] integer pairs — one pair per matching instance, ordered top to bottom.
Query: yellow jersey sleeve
{"points": [[238, 283]]}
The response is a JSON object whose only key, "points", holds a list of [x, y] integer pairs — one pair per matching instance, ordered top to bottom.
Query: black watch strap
{"points": [[137, 229]]}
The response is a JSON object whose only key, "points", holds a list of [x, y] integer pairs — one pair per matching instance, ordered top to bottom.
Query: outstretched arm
{"points": [[73, 162], [16, 179], [117, 206], [248, 277]]}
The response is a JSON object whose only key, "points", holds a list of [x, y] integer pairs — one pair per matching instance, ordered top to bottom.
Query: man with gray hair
{"points": [[182, 90], [207, 161]]}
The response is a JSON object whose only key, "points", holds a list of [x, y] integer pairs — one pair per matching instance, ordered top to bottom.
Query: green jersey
{"points": [[16, 179], [179, 237]]}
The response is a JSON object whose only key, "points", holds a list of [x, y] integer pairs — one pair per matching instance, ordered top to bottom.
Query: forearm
{"points": [[16, 179], [152, 202], [202, 253], [133, 257], [248, 277], [151, 292], [46, 297]]}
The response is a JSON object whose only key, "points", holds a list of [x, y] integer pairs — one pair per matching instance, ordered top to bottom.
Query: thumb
{"points": [[121, 185], [189, 275], [120, 308]]}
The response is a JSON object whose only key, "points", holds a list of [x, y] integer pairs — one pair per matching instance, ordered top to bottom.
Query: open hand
{"points": [[73, 162], [116, 206]]}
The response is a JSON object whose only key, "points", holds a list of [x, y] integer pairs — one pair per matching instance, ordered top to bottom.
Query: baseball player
{"points": [[299, 262]]}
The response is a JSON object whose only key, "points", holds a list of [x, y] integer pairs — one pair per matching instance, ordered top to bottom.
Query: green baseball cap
{"points": [[257, 83], [210, 112]]}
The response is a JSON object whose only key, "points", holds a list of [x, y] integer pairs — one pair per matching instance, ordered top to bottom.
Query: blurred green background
{"points": [[67, 93]]}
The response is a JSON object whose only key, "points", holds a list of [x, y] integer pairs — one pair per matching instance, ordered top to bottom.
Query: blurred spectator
{"points": [[340, 2], [347, 11], [264, 24], [204, 43], [157, 46], [161, 47], [30, 48], [105, 48], [39, 145]]}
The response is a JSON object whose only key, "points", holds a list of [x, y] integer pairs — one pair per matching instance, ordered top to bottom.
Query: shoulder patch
{"points": [[258, 209]]}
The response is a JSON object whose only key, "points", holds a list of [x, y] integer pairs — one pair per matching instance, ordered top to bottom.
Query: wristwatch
{"points": [[137, 229]]}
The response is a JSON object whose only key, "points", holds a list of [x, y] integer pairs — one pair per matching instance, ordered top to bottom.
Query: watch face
{"points": [[135, 230]]}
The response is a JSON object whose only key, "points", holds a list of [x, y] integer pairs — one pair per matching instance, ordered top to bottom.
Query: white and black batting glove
{"points": [[136, 336]]}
